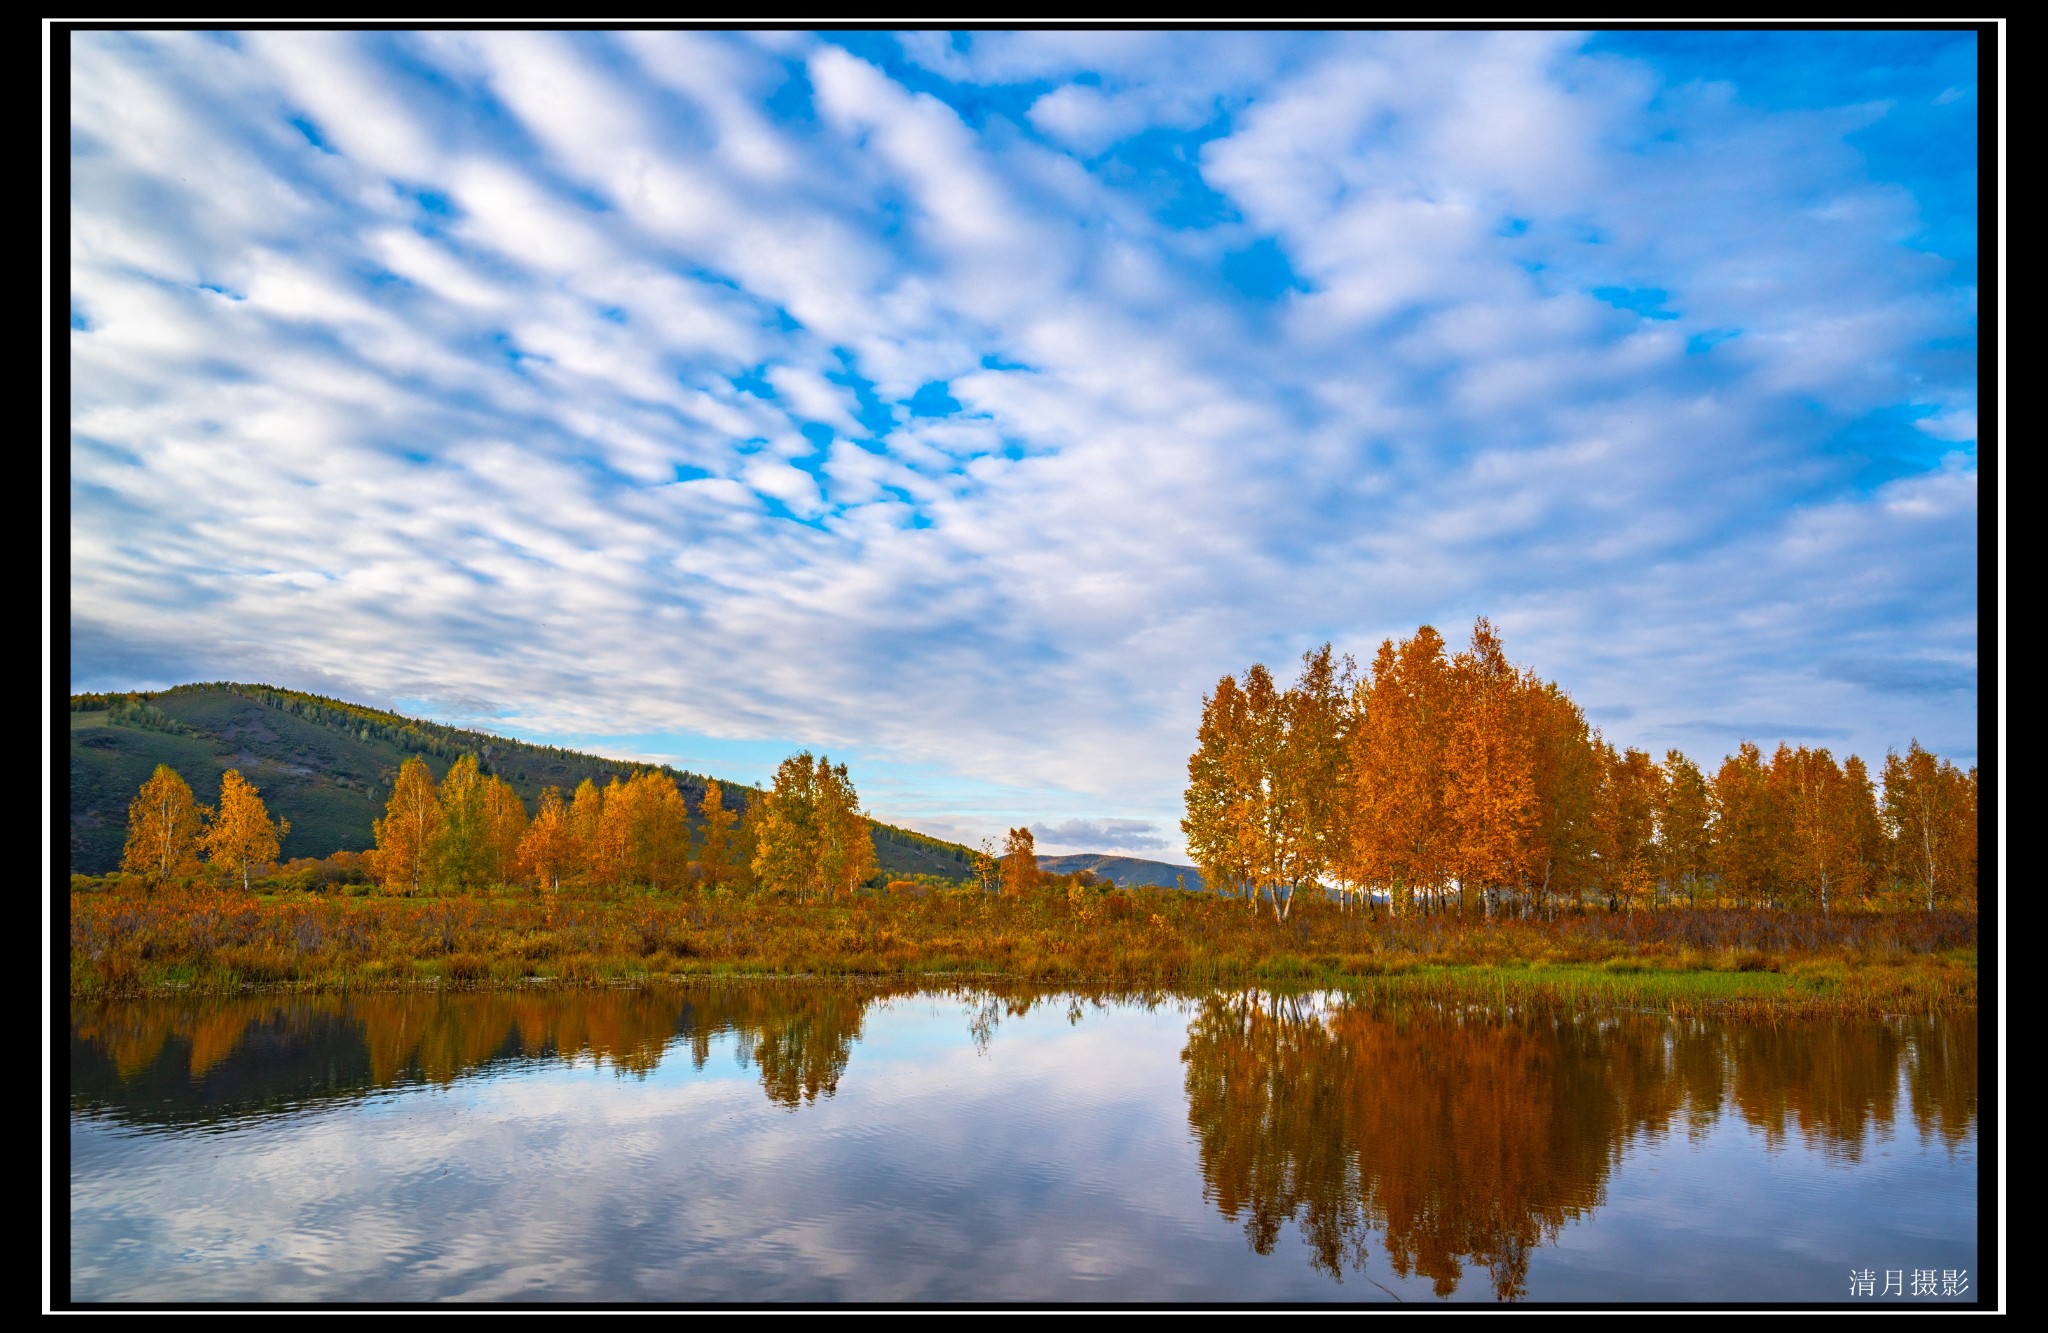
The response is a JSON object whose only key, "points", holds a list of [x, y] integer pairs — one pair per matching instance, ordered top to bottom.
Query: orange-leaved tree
{"points": [[1492, 760], [1265, 784], [1931, 806], [586, 816], [1820, 821], [1625, 822], [504, 826], [164, 828], [1747, 829], [657, 830], [1398, 832], [812, 834], [242, 835], [405, 836], [1684, 836], [846, 843], [548, 849], [787, 859], [715, 862], [1020, 863]]}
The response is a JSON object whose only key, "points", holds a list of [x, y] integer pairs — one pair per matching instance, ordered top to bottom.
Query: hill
{"points": [[328, 765], [1125, 870]]}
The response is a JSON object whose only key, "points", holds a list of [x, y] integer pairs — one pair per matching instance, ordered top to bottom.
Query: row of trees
{"points": [[1436, 779], [169, 832], [805, 836]]}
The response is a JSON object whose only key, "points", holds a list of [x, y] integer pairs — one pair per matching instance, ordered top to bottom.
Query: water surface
{"points": [[812, 1143]]}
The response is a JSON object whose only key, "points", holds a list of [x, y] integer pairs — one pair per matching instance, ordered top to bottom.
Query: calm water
{"points": [[814, 1144]]}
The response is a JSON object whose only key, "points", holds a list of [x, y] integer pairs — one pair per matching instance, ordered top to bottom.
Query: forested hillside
{"points": [[327, 766]]}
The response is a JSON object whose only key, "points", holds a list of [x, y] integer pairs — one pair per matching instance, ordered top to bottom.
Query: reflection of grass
{"points": [[1680, 961], [1837, 986]]}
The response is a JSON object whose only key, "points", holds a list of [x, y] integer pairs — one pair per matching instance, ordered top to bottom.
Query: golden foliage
{"points": [[164, 828]]}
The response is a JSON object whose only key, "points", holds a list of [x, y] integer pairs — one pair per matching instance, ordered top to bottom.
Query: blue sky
{"points": [[964, 405]]}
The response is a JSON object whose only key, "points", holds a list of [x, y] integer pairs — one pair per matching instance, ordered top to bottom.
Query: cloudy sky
{"points": [[964, 405]]}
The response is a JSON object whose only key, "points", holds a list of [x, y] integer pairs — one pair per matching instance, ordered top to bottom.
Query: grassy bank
{"points": [[1681, 961]]}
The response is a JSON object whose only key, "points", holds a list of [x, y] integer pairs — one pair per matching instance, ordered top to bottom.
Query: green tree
{"points": [[462, 844]]}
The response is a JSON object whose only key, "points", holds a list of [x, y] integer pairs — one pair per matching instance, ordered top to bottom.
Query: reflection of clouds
{"points": [[1058, 1165], [930, 1175]]}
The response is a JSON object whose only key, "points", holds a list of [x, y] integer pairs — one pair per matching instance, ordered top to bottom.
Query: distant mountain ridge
{"points": [[327, 766], [1125, 870]]}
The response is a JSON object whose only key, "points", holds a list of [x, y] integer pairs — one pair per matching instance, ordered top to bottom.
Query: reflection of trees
{"points": [[801, 1040], [180, 1059], [1942, 1080], [1467, 1139]]}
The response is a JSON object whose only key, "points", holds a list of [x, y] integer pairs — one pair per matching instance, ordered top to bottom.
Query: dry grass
{"points": [[1684, 961]]}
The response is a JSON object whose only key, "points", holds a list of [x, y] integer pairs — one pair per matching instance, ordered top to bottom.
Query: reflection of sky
{"points": [[1057, 1164], [1717, 1218]]}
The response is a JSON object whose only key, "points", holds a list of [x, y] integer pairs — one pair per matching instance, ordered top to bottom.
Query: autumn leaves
{"points": [[1437, 780], [168, 831], [470, 831], [805, 835], [812, 836]]}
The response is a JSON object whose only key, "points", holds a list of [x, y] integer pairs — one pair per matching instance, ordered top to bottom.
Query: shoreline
{"points": [[1684, 961]]}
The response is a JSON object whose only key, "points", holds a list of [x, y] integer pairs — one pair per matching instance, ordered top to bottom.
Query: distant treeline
{"points": [[516, 759], [1439, 782]]}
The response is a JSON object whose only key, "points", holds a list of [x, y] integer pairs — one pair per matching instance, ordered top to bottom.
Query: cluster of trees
{"points": [[130, 710], [1437, 779], [169, 832], [467, 833], [805, 836], [812, 837]]}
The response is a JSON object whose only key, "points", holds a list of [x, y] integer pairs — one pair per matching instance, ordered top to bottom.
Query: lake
{"points": [[813, 1143]]}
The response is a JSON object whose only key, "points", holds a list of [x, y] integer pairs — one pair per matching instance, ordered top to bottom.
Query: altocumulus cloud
{"points": [[971, 403]]}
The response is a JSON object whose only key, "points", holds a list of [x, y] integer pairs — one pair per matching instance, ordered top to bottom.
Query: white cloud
{"points": [[533, 452]]}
